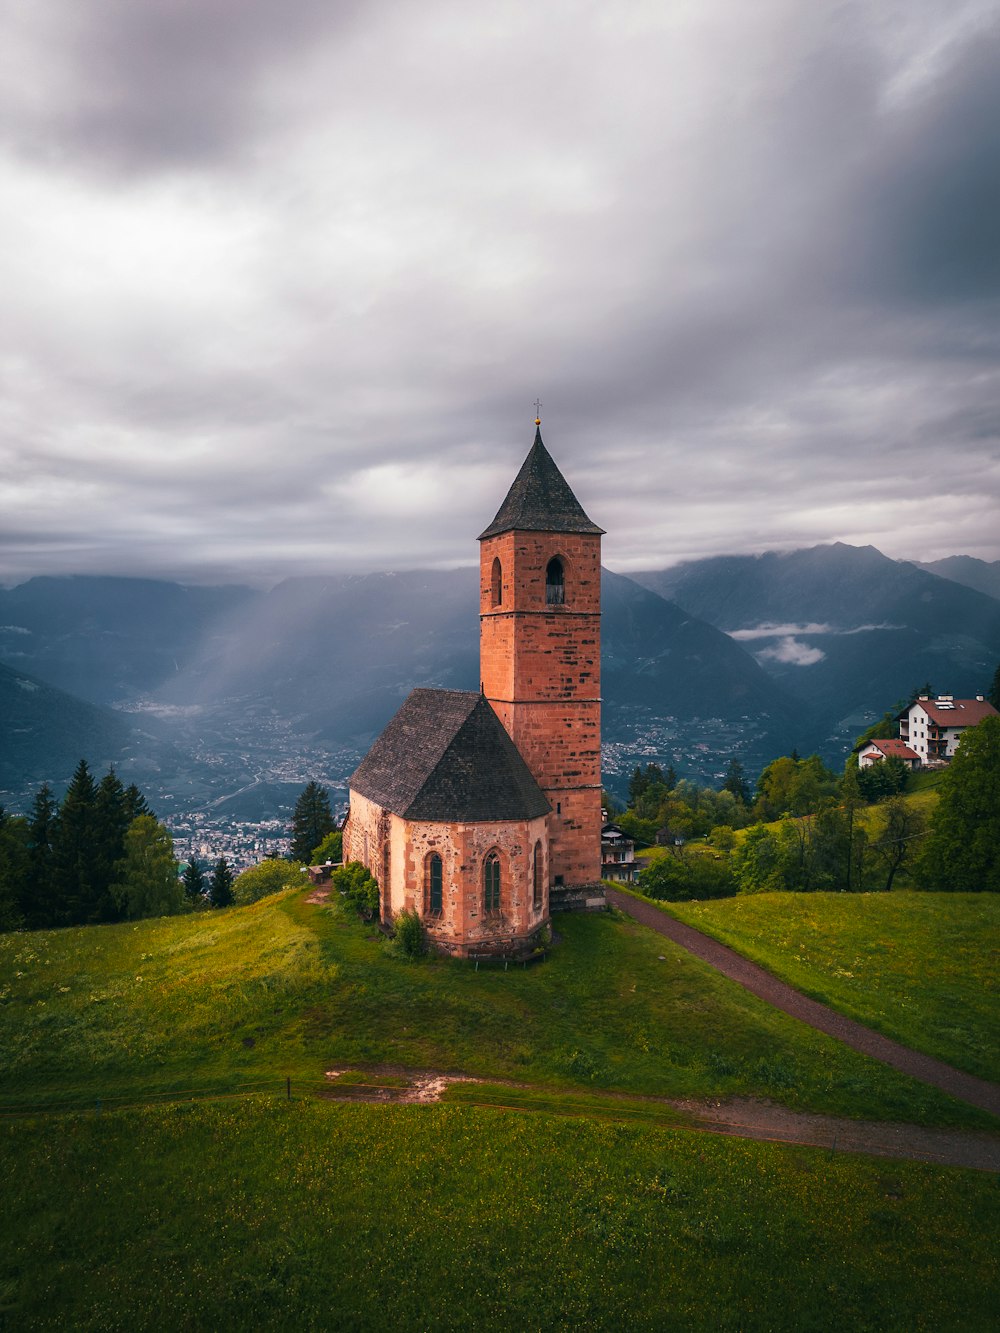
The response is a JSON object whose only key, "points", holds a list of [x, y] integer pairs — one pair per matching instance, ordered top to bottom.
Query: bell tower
{"points": [[540, 652]]}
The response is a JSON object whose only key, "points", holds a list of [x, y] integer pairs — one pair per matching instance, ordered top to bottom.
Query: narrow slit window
{"points": [[496, 581], [555, 583], [537, 876], [435, 885], [491, 885]]}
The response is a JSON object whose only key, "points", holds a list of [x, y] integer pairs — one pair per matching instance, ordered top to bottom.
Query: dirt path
{"points": [[760, 982], [738, 1117]]}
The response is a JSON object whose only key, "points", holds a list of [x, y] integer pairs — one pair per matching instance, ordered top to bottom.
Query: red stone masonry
{"points": [[540, 668]]}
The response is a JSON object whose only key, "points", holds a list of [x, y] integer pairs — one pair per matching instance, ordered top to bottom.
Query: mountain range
{"points": [[216, 696]]}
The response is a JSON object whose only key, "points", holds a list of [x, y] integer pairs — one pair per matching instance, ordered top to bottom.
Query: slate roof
{"points": [[540, 499], [446, 756]]}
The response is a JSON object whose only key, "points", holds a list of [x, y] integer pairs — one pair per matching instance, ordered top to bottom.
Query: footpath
{"points": [[966, 1087]]}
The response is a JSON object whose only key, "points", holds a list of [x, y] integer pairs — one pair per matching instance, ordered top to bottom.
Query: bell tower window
{"points": [[497, 583], [555, 583]]}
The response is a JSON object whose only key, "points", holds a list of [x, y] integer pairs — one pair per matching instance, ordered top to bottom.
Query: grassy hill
{"points": [[920, 967], [285, 988], [259, 1210]]}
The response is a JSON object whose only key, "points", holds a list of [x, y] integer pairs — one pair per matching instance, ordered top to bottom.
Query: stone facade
{"points": [[540, 667], [469, 809]]}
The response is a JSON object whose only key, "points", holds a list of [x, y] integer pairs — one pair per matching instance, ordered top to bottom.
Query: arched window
{"points": [[497, 582], [555, 583], [536, 876], [433, 885], [491, 885]]}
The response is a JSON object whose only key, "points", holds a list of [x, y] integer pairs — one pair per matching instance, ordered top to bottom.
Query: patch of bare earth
{"points": [[738, 1117]]}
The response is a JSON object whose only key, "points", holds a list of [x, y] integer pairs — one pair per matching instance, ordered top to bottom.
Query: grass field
{"points": [[921, 967], [245, 997], [586, 1212], [271, 1215]]}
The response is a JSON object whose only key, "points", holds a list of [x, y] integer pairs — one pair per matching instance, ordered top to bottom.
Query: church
{"points": [[479, 811]]}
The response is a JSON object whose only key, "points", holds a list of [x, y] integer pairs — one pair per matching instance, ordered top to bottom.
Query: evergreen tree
{"points": [[993, 696], [736, 782], [135, 803], [312, 820], [111, 823], [73, 853], [14, 868], [147, 883], [195, 884], [220, 889], [39, 891]]}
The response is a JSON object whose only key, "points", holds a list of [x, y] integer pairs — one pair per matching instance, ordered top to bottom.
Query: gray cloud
{"points": [[281, 282]]}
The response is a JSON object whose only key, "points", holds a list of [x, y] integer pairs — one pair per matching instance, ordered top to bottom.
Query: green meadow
{"points": [[923, 968], [242, 999], [180, 1187], [273, 1215]]}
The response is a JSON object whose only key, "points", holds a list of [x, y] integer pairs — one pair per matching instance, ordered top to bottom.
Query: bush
{"points": [[330, 849], [681, 876], [265, 878], [359, 888], [410, 940]]}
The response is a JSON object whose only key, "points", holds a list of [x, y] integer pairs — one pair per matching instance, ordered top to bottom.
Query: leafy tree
{"points": [[886, 777], [736, 782], [789, 785], [312, 820], [642, 831], [896, 834], [722, 838], [330, 849], [962, 851], [74, 852], [15, 859], [757, 861], [680, 875], [265, 878], [147, 882], [195, 884], [220, 888], [359, 888]]}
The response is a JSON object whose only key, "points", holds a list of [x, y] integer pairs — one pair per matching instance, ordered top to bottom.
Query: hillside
{"points": [[845, 629], [44, 732], [608, 1213]]}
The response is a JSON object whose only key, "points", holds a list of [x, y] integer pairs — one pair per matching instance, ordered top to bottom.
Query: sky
{"points": [[281, 283]]}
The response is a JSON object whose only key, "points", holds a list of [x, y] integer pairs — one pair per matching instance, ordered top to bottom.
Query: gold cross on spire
{"points": [[538, 412]]}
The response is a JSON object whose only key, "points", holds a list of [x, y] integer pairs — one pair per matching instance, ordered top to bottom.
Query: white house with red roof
{"points": [[932, 728], [877, 750]]}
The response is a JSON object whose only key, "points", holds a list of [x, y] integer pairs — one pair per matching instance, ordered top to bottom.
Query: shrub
{"points": [[330, 849], [679, 876], [265, 878], [358, 886], [410, 940]]}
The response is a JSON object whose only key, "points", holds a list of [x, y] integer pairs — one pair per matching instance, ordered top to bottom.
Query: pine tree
{"points": [[993, 696], [736, 782], [135, 803], [312, 820], [111, 823], [73, 853], [14, 862], [194, 882], [220, 889], [38, 894]]}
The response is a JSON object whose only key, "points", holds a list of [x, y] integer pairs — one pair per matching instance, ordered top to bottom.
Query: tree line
{"points": [[806, 828], [97, 856]]}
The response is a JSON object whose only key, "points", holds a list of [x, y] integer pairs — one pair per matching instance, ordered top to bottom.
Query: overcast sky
{"points": [[280, 282]]}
